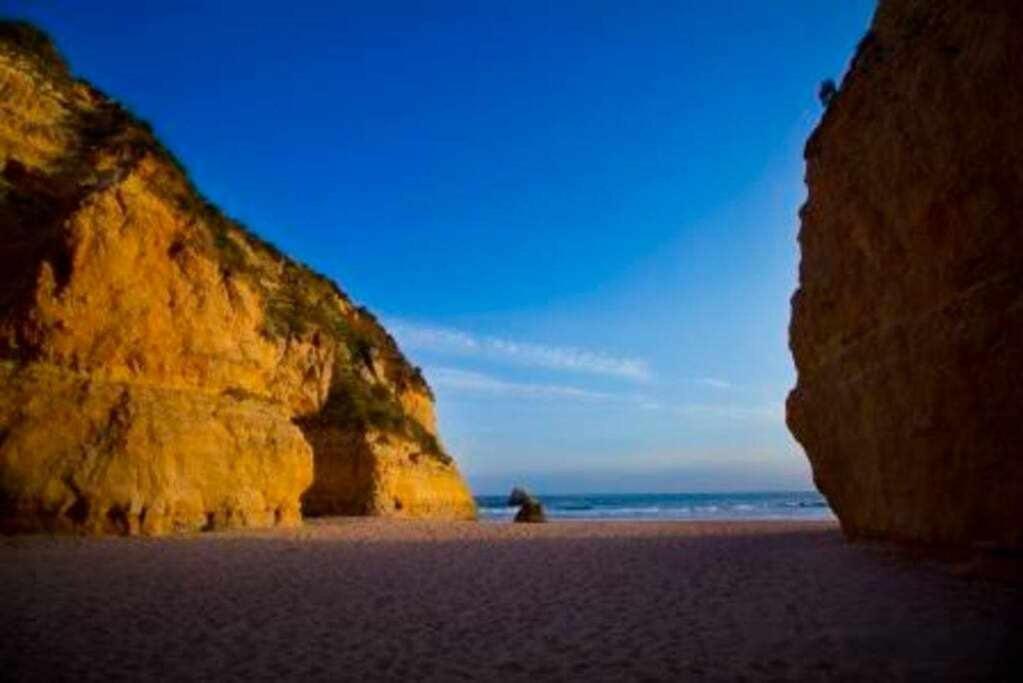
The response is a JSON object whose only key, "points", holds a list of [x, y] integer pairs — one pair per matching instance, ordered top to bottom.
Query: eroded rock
{"points": [[907, 328], [163, 368], [518, 496], [531, 512]]}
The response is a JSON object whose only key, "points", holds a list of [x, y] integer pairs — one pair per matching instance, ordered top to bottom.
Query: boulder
{"points": [[518, 496], [531, 512]]}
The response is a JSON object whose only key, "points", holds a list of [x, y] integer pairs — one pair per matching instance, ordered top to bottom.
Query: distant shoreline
{"points": [[734, 506]]}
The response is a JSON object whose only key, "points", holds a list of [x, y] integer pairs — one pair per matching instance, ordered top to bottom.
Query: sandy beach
{"points": [[359, 599]]}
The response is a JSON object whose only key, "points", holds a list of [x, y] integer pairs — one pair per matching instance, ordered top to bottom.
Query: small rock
{"points": [[518, 496], [531, 512]]}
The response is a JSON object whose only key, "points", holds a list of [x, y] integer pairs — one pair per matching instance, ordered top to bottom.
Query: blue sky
{"points": [[578, 217]]}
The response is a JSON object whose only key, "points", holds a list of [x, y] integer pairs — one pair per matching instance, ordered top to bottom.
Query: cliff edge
{"points": [[907, 327], [162, 368]]}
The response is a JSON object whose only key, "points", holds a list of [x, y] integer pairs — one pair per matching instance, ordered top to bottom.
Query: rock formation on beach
{"points": [[907, 327], [162, 368], [518, 496], [530, 509], [531, 512]]}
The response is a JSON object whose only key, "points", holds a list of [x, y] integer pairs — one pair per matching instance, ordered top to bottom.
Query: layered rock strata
{"points": [[907, 327], [163, 369]]}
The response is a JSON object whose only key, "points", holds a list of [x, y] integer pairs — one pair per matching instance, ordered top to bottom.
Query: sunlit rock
{"points": [[163, 369]]}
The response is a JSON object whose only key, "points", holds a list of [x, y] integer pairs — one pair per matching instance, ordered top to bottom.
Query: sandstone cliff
{"points": [[907, 328], [161, 368]]}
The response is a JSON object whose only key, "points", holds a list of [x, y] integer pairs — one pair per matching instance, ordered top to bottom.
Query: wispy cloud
{"points": [[456, 342], [448, 379], [453, 379], [715, 383], [713, 411], [739, 413]]}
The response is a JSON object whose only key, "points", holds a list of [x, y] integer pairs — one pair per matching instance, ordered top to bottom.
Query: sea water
{"points": [[666, 506]]}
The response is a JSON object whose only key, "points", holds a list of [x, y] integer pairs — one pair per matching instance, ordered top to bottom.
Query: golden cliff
{"points": [[907, 328], [163, 369]]}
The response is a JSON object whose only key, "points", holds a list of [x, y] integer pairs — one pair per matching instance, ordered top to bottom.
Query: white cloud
{"points": [[434, 338], [455, 342], [453, 379], [467, 381], [715, 383], [712, 411], [767, 413]]}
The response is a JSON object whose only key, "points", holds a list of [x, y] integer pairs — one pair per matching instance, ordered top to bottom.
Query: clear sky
{"points": [[578, 217]]}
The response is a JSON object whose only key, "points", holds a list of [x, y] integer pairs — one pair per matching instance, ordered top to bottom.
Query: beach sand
{"points": [[363, 599]]}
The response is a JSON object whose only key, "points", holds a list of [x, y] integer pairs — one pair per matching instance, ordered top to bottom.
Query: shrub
{"points": [[32, 40], [827, 92], [354, 404]]}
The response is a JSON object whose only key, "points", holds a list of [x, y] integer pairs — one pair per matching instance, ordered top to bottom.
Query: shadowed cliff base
{"points": [[907, 327], [199, 377], [378, 600]]}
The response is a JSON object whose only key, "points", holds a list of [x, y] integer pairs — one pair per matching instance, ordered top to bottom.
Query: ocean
{"points": [[668, 506]]}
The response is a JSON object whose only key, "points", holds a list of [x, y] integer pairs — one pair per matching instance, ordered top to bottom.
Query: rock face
{"points": [[907, 328], [163, 369], [518, 496], [530, 509], [531, 512]]}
